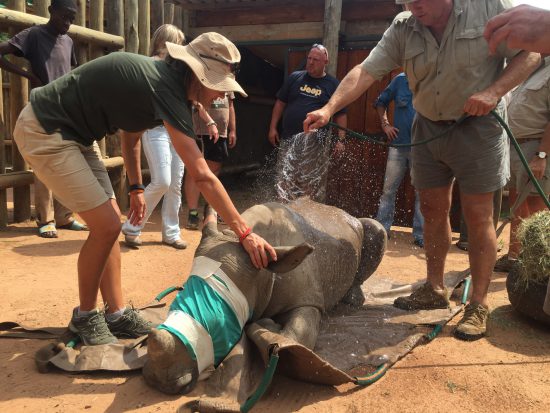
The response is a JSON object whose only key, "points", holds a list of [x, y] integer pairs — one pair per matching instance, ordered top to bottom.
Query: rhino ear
{"points": [[210, 223], [289, 258]]}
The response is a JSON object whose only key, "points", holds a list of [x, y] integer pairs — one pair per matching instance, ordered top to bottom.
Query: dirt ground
{"points": [[509, 370]]}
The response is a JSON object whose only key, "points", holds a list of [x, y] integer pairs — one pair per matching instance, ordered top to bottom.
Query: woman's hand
{"points": [[213, 132], [137, 210], [257, 249]]}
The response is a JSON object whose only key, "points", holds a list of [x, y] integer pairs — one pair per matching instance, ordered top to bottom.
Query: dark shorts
{"points": [[215, 152], [476, 153]]}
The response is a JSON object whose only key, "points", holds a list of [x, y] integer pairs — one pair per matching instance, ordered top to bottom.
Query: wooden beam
{"points": [[41, 7], [97, 12], [114, 12], [168, 13], [157, 14], [178, 17], [80, 20], [20, 21], [131, 26], [144, 26], [331, 31], [266, 32], [19, 92], [3, 194]]}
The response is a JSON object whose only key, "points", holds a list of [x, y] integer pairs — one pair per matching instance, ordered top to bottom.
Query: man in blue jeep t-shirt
{"points": [[305, 91]]}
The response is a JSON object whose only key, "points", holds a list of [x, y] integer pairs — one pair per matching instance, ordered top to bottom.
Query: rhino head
{"points": [[170, 367]]}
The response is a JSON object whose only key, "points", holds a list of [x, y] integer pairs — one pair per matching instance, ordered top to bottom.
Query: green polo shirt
{"points": [[442, 76], [118, 91], [529, 108]]}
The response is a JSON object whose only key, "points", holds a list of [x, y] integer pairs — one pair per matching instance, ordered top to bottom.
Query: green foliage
{"points": [[534, 259]]}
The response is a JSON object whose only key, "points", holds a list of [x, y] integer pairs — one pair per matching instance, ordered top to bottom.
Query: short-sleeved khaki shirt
{"points": [[442, 76], [529, 108]]}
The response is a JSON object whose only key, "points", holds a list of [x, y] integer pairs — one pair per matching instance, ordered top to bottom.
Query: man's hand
{"points": [[522, 27], [481, 103], [316, 119], [390, 131], [273, 137], [232, 139], [538, 166], [137, 210]]}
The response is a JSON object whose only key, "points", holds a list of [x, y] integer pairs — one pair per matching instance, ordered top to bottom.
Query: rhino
{"points": [[324, 255]]}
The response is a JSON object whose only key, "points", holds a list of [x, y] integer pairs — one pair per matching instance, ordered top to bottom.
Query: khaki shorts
{"points": [[476, 153], [73, 172], [519, 175]]}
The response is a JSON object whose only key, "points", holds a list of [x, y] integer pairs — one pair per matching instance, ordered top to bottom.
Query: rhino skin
{"points": [[324, 256]]}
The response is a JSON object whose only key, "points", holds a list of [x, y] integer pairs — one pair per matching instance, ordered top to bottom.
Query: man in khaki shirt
{"points": [[441, 47], [529, 114]]}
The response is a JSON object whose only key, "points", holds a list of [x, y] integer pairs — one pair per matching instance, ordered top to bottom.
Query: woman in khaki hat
{"points": [[132, 93]]}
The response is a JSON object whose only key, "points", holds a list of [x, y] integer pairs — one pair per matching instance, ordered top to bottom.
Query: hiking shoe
{"points": [[193, 219], [132, 241], [419, 242], [462, 245], [504, 264], [425, 298], [473, 324], [130, 325], [91, 328]]}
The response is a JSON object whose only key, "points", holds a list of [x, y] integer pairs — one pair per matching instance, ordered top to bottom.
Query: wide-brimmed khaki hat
{"points": [[213, 59]]}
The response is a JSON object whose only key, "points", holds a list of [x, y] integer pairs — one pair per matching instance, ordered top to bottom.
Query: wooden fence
{"points": [[101, 26]]}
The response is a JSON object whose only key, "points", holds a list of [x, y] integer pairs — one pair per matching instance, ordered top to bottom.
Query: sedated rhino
{"points": [[324, 256]]}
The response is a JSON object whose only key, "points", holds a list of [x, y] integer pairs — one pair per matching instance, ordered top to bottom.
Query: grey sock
{"points": [[80, 313], [116, 315]]}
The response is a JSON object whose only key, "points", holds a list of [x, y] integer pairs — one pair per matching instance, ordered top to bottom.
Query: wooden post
{"points": [[41, 7], [168, 13], [157, 14], [115, 17], [178, 17], [186, 19], [96, 23], [131, 26], [144, 26], [331, 29], [81, 48], [19, 92], [3, 192]]}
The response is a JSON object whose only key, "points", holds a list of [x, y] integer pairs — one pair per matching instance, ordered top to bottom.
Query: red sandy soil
{"points": [[509, 370]]}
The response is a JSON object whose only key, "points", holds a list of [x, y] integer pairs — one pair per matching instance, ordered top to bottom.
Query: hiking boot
{"points": [[193, 219], [462, 245], [504, 264], [425, 298], [473, 324], [130, 325], [91, 328]]}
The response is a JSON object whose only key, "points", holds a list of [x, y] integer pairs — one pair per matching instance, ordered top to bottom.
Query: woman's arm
{"points": [[131, 152], [217, 196]]}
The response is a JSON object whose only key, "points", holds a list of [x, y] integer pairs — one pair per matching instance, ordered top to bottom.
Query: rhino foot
{"points": [[354, 296], [169, 367]]}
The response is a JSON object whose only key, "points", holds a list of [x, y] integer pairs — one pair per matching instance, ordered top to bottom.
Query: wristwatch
{"points": [[542, 155]]}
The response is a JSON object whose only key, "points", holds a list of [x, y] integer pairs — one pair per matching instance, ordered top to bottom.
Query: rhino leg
{"points": [[372, 251], [301, 325], [169, 367]]}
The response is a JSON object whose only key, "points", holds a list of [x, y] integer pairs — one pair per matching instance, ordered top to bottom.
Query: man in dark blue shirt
{"points": [[302, 92], [398, 158]]}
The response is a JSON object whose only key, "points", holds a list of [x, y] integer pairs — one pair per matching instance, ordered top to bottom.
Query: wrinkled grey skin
{"points": [[325, 256]]}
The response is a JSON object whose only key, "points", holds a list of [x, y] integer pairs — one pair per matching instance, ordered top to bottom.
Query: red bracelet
{"points": [[245, 234]]}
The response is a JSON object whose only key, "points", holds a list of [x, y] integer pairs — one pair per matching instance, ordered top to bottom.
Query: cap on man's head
{"points": [[404, 1], [64, 4], [213, 59]]}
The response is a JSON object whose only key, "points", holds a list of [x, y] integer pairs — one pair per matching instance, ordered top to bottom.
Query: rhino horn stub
{"points": [[289, 258]]}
